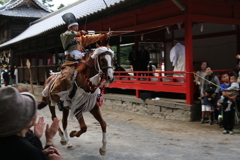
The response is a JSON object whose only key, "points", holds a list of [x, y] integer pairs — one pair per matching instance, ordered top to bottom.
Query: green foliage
{"points": [[3, 1], [46, 3], [61, 6], [124, 51]]}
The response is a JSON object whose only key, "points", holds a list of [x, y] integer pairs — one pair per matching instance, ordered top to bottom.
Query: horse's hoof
{"points": [[72, 134], [63, 142], [70, 147], [102, 152]]}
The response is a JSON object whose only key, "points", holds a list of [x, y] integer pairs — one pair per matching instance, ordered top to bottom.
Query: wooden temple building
{"points": [[15, 17], [209, 29]]}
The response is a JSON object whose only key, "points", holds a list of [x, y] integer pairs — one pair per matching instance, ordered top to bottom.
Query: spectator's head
{"points": [[175, 41], [133, 47], [142, 47], [204, 65], [209, 71], [224, 77], [233, 78], [209, 91], [17, 111]]}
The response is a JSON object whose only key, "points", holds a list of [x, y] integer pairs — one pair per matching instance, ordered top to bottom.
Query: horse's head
{"points": [[104, 62]]}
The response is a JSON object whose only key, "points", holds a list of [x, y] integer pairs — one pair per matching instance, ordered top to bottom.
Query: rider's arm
{"points": [[86, 40]]}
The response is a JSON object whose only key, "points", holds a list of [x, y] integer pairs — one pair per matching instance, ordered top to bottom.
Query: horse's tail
{"points": [[43, 103]]}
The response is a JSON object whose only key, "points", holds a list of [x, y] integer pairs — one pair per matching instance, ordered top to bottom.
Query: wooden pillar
{"points": [[118, 54], [37, 61], [189, 61], [137, 93]]}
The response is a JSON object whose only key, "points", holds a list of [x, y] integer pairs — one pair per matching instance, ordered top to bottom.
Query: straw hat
{"points": [[16, 110]]}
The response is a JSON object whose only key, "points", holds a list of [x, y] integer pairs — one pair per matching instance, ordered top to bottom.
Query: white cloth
{"points": [[100, 50], [76, 54], [177, 57], [153, 69], [16, 75], [234, 86], [83, 101], [206, 108]]}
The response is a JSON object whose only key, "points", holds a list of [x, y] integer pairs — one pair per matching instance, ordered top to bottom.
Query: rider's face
{"points": [[74, 28]]}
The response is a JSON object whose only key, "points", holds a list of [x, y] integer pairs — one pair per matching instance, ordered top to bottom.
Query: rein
{"points": [[96, 64], [100, 75]]}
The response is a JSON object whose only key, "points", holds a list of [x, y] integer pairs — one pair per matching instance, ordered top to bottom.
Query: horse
{"points": [[84, 95]]}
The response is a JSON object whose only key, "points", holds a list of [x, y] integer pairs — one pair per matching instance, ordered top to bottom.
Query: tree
{"points": [[3, 1], [46, 3], [60, 6]]}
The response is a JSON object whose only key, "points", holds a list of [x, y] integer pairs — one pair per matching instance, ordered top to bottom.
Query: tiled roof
{"points": [[14, 4], [25, 12], [53, 20]]}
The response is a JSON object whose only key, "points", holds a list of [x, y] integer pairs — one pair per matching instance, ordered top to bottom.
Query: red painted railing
{"points": [[163, 81]]}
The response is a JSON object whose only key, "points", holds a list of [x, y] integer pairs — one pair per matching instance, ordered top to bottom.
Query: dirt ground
{"points": [[138, 137]]}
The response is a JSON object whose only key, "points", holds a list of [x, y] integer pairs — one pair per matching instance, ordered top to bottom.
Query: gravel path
{"points": [[138, 137]]}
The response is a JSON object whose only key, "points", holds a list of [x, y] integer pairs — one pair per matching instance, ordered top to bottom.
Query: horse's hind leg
{"points": [[97, 115], [83, 126]]}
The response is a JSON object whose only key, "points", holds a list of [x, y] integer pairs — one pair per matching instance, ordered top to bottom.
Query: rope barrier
{"points": [[195, 74]]}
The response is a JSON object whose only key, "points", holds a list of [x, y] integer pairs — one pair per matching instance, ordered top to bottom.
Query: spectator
{"points": [[132, 57], [144, 58], [151, 67], [119, 68], [237, 69], [1, 71], [202, 73], [11, 74], [16, 74], [6, 77], [211, 82], [231, 91], [207, 105], [18, 115], [228, 117]]}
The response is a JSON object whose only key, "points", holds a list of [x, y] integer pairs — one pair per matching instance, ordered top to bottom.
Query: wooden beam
{"points": [[214, 19], [156, 24]]}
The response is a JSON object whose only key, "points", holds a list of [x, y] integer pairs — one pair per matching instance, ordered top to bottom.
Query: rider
{"points": [[73, 42]]}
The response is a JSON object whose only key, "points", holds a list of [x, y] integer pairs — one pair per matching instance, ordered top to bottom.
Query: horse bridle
{"points": [[103, 75]]}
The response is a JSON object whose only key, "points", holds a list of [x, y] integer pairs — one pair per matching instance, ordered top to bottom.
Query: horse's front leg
{"points": [[97, 115], [83, 126], [64, 137], [63, 140]]}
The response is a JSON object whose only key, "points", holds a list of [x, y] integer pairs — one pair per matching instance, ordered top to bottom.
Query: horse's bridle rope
{"points": [[100, 73]]}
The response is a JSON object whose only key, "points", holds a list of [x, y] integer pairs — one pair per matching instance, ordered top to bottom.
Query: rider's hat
{"points": [[69, 19]]}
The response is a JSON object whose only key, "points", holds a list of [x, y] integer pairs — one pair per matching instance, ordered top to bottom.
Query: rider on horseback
{"points": [[73, 42]]}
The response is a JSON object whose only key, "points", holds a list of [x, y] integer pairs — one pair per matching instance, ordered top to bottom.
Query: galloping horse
{"points": [[83, 94]]}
